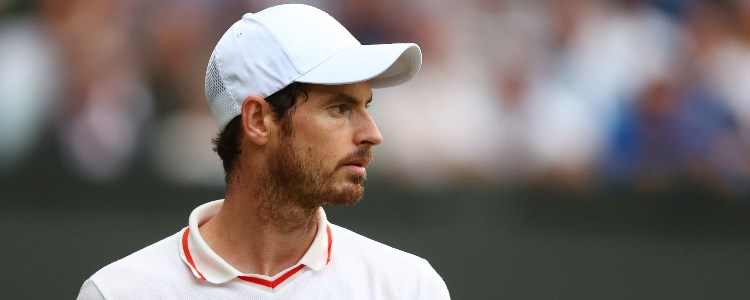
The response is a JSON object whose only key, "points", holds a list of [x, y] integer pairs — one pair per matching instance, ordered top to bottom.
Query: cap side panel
{"points": [[284, 47], [258, 65], [218, 93]]}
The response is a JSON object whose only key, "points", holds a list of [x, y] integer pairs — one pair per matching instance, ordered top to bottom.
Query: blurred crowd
{"points": [[579, 94]]}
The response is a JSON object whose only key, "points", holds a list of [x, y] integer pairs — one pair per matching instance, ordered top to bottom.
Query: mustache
{"points": [[364, 152]]}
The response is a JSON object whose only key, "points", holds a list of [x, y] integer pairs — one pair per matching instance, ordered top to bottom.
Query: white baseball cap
{"points": [[264, 52]]}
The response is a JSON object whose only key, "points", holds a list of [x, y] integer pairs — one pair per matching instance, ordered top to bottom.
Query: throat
{"points": [[276, 218], [267, 242]]}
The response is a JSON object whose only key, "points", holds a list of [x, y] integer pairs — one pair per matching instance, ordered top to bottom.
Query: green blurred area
{"points": [[486, 243]]}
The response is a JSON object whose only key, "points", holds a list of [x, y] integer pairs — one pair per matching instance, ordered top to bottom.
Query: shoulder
{"points": [[350, 242], [149, 260], [387, 266], [148, 269]]}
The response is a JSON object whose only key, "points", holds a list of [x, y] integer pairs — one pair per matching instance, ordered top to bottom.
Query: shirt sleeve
{"points": [[432, 285], [89, 291]]}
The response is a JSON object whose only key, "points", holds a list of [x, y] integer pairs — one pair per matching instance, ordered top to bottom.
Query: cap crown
{"points": [[263, 52]]}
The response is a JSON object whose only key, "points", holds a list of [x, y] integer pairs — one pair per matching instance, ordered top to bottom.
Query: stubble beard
{"points": [[295, 186]]}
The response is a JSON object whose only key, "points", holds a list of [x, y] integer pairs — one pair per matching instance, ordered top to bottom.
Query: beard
{"points": [[297, 183]]}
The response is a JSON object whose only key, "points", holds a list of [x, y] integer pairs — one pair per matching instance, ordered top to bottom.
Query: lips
{"points": [[359, 162]]}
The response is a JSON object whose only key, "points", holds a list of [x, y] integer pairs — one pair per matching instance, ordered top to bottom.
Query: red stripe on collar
{"points": [[330, 241], [187, 252], [272, 284]]}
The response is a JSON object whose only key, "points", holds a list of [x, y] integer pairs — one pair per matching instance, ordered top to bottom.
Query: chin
{"points": [[357, 179], [348, 194]]}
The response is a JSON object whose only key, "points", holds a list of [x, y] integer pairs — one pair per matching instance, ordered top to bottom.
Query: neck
{"points": [[259, 234]]}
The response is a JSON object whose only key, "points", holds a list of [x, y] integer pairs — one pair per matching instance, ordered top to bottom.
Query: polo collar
{"points": [[207, 265]]}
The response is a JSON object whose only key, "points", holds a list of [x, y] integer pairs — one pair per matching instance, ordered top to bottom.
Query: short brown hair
{"points": [[283, 102]]}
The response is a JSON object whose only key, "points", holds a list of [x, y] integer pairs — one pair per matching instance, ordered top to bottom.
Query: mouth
{"points": [[357, 161], [360, 162], [356, 167]]}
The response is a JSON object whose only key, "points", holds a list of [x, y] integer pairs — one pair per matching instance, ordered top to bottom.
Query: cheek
{"points": [[323, 139], [312, 145], [327, 149]]}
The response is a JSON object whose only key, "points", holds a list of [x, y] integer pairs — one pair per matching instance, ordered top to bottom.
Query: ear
{"points": [[255, 114]]}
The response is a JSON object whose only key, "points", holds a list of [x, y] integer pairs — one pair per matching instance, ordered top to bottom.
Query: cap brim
{"points": [[384, 65]]}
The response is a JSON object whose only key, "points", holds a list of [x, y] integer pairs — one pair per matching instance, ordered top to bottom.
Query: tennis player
{"points": [[289, 89]]}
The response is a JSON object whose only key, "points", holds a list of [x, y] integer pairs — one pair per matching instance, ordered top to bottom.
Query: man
{"points": [[288, 87]]}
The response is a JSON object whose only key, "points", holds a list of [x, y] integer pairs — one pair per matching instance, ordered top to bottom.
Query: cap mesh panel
{"points": [[220, 100]]}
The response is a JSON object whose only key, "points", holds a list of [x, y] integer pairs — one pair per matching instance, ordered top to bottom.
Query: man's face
{"points": [[322, 161]]}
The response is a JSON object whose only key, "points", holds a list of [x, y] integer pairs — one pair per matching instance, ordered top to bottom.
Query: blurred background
{"points": [[547, 149]]}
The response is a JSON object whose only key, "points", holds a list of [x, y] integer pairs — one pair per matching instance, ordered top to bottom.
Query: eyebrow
{"points": [[347, 98]]}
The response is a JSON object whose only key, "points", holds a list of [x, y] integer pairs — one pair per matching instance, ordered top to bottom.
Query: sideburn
{"points": [[285, 122]]}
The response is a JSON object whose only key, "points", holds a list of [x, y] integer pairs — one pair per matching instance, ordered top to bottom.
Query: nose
{"points": [[368, 132]]}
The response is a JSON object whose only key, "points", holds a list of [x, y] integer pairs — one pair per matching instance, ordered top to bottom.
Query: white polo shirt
{"points": [[339, 264]]}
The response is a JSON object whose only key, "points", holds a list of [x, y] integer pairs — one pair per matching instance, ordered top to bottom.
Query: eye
{"points": [[341, 108]]}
